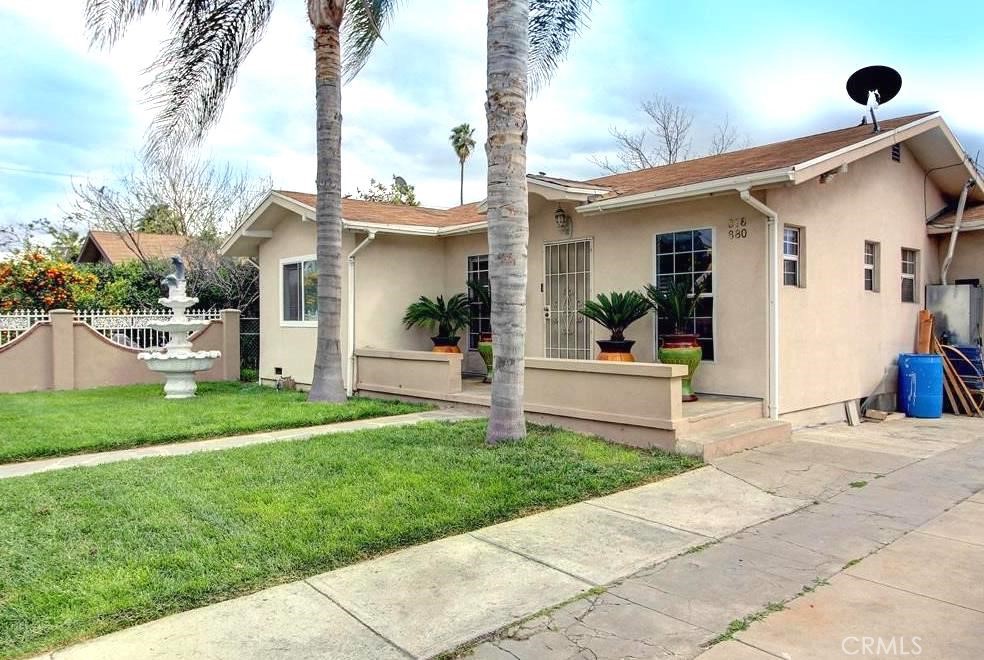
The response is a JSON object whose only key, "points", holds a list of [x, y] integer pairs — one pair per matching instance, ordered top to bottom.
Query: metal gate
{"points": [[567, 285]]}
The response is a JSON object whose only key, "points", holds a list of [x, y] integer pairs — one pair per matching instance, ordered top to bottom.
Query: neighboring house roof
{"points": [[767, 157], [360, 210], [973, 219], [118, 247]]}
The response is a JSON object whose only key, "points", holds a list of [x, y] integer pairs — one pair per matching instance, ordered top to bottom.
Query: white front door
{"points": [[567, 285]]}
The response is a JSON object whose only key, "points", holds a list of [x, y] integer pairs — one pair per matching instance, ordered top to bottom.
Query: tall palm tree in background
{"points": [[526, 40], [194, 74], [463, 144]]}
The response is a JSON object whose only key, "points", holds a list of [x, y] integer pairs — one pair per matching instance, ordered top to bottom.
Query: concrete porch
{"points": [[637, 404]]}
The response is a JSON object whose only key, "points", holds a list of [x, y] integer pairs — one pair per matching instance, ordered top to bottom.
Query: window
{"points": [[792, 248], [686, 256], [910, 269], [478, 271], [872, 273], [300, 290]]}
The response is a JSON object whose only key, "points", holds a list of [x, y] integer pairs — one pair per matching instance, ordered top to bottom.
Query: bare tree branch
{"points": [[671, 128], [726, 138]]}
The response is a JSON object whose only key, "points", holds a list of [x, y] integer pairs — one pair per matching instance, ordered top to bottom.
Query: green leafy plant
{"points": [[481, 292], [676, 302], [616, 311], [448, 317]]}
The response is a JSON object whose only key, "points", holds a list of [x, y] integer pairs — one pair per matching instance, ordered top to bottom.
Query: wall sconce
{"points": [[565, 224]]}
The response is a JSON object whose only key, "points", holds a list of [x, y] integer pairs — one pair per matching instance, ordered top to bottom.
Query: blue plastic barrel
{"points": [[921, 385]]}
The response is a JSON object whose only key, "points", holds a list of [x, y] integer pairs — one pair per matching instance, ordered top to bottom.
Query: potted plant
{"points": [[482, 293], [676, 302], [616, 312], [448, 317]]}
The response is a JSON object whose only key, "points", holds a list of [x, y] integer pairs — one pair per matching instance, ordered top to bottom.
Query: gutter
{"points": [[956, 229], [772, 270], [350, 380]]}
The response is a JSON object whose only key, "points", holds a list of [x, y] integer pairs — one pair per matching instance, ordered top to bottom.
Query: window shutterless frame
{"points": [[792, 250], [679, 255], [872, 267], [477, 269], [910, 276], [298, 323]]}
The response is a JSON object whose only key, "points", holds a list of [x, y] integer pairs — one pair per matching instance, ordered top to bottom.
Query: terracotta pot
{"points": [[445, 344], [682, 349], [616, 350]]}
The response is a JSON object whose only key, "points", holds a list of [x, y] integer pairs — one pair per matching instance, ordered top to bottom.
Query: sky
{"points": [[775, 69]]}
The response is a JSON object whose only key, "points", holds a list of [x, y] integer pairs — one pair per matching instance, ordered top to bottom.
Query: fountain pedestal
{"points": [[178, 362]]}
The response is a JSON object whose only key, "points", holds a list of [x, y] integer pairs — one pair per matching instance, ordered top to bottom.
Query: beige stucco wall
{"points": [[968, 255], [838, 341]]}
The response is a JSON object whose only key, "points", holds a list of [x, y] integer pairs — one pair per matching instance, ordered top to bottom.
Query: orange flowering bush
{"points": [[34, 280]]}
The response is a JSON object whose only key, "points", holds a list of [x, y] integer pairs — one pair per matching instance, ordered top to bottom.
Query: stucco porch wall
{"points": [[839, 342], [635, 402]]}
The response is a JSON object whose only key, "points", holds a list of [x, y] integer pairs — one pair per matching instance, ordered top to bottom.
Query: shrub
{"points": [[34, 280]]}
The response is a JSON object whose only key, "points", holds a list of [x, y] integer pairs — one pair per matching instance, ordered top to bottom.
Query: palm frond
{"points": [[106, 21], [553, 25], [363, 27], [198, 65], [481, 293], [676, 301], [616, 311], [447, 316]]}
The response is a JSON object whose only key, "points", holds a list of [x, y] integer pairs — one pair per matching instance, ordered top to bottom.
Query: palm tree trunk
{"points": [[461, 187], [508, 212], [328, 384]]}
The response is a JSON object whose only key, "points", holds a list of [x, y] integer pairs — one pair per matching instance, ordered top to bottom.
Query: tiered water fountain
{"points": [[178, 362]]}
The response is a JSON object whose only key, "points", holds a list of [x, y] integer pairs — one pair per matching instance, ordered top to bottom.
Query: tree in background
{"points": [[526, 39], [666, 140], [463, 144], [399, 192], [59, 240], [35, 280]]}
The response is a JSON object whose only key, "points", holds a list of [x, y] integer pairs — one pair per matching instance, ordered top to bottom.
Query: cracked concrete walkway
{"points": [[228, 442], [677, 560]]}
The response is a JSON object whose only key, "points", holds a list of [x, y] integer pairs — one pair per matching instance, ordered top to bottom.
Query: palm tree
{"points": [[526, 40], [194, 74], [462, 143]]}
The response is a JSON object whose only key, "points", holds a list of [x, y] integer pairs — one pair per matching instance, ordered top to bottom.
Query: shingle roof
{"points": [[773, 156], [360, 210], [971, 214], [121, 247]]}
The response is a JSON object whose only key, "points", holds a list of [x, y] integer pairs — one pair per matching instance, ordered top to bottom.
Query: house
{"points": [[110, 247], [818, 250]]}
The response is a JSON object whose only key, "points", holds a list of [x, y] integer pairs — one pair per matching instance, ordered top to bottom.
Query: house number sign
{"points": [[737, 229]]}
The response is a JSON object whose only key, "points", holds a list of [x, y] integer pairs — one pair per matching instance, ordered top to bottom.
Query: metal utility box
{"points": [[957, 310]]}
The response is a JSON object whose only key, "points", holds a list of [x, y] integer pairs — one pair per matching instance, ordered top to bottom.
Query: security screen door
{"points": [[567, 285]]}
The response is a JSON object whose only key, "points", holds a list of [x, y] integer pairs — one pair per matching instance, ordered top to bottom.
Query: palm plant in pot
{"points": [[481, 292], [676, 303], [615, 312], [448, 317]]}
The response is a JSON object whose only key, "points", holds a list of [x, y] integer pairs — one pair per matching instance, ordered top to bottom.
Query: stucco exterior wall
{"points": [[968, 255], [838, 341]]}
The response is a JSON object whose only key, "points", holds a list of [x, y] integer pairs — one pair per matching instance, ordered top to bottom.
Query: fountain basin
{"points": [[179, 370]]}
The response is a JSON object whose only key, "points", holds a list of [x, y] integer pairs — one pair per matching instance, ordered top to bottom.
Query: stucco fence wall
{"points": [[65, 354], [635, 403]]}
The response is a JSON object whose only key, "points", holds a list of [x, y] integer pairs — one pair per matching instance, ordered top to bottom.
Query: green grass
{"points": [[41, 424], [89, 550]]}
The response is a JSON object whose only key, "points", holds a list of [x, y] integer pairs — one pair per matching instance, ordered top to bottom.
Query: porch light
{"points": [[564, 222]]}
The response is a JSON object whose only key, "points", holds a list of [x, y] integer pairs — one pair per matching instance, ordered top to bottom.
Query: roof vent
{"points": [[897, 152]]}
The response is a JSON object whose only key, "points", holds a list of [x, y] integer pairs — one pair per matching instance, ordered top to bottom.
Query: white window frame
{"points": [[797, 258], [874, 266], [914, 276], [280, 292], [712, 294]]}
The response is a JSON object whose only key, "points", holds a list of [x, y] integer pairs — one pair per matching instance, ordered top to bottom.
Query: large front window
{"points": [[686, 256], [300, 290], [481, 322]]}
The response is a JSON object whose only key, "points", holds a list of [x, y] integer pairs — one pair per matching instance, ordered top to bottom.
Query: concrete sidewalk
{"points": [[216, 444], [693, 553]]}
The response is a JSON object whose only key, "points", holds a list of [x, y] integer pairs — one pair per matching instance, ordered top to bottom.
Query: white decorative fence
{"points": [[130, 328]]}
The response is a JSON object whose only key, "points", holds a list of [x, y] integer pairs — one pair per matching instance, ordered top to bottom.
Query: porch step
{"points": [[719, 416], [734, 438]]}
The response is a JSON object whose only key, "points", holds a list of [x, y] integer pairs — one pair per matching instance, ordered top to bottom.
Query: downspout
{"points": [[956, 230], [772, 270], [350, 375]]}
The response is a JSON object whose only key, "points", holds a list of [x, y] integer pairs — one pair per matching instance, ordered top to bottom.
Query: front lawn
{"points": [[40, 424], [90, 550]]}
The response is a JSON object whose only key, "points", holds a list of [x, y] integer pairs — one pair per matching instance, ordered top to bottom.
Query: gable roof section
{"points": [[362, 211], [120, 247]]}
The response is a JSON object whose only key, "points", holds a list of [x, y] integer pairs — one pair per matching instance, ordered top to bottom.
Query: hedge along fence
{"points": [[62, 350]]}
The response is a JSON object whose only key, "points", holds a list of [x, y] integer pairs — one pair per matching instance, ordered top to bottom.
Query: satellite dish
{"points": [[871, 87], [400, 182]]}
